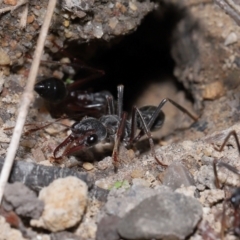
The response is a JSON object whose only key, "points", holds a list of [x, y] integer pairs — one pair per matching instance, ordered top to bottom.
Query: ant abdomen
{"points": [[51, 89], [147, 112]]}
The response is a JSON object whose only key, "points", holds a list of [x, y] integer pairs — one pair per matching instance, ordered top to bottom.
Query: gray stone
{"points": [[177, 176], [205, 176], [22, 200], [121, 201], [164, 216], [107, 228], [64, 235]]}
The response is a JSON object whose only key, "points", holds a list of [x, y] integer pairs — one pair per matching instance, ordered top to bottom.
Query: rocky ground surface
{"points": [[83, 197]]}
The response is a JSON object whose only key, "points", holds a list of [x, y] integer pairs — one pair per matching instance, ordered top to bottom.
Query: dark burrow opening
{"points": [[136, 60], [142, 62]]}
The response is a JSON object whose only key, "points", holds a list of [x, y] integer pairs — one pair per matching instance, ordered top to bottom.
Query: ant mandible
{"points": [[114, 127], [234, 199]]}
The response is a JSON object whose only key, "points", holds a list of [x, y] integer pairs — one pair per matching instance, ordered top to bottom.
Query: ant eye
{"points": [[92, 139]]}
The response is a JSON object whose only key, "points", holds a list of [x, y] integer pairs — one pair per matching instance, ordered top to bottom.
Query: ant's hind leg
{"points": [[160, 106], [148, 133]]}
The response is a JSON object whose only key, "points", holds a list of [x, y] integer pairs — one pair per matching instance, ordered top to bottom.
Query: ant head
{"points": [[89, 129], [84, 134]]}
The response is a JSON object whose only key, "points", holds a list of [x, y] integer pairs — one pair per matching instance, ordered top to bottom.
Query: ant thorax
{"points": [[111, 122]]}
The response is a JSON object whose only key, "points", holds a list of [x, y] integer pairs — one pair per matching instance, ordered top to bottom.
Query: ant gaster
{"points": [[70, 100], [115, 127], [234, 199]]}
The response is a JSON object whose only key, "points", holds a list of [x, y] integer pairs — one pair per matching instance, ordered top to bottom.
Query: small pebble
{"points": [[10, 2], [132, 6], [30, 19], [113, 22], [66, 23], [231, 38], [4, 58], [213, 90], [38, 154], [131, 154], [105, 163], [87, 166], [137, 173], [177, 176], [103, 183], [65, 201]]}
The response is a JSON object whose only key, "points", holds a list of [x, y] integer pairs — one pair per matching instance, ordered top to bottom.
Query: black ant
{"points": [[70, 100], [115, 127], [234, 199]]}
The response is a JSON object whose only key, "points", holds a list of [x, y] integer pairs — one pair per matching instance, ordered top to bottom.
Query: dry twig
{"points": [[12, 8], [231, 8], [26, 99]]}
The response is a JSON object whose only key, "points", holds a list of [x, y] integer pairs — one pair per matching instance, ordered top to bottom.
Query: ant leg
{"points": [[80, 64], [77, 83], [120, 89], [162, 103], [110, 106], [157, 111], [133, 125], [39, 128], [148, 133], [232, 133], [118, 137], [222, 164], [217, 184]]}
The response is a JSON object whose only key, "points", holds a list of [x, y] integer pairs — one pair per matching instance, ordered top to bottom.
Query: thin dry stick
{"points": [[12, 8], [231, 8], [26, 99]]}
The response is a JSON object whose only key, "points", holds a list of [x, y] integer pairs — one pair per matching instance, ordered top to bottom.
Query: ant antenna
{"points": [[120, 89]]}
